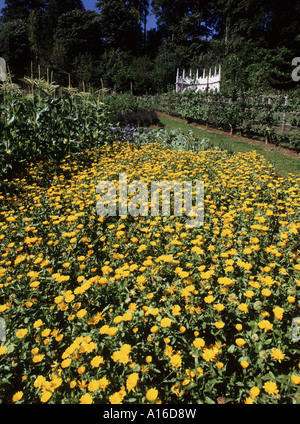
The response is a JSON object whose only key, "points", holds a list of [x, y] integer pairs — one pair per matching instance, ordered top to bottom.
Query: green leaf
{"points": [[209, 400]]}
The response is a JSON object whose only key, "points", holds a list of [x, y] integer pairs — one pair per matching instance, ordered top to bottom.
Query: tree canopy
{"points": [[254, 41]]}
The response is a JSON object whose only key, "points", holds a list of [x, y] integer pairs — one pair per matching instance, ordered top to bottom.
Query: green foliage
{"points": [[119, 25], [253, 41], [15, 47], [118, 103], [232, 110], [139, 118], [43, 125], [173, 138]]}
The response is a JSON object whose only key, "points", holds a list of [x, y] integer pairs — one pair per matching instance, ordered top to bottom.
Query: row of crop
{"points": [[275, 119], [49, 122], [42, 125]]}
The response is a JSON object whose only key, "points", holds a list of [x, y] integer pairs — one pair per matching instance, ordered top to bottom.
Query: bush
{"points": [[138, 118]]}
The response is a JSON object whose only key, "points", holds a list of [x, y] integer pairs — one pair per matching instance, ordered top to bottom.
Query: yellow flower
{"points": [[225, 281], [266, 292], [249, 293], [69, 298], [209, 299], [291, 299], [3, 307], [219, 307], [243, 307], [176, 310], [278, 312], [81, 313], [127, 316], [166, 322], [38, 323], [219, 324], [265, 325], [239, 327], [104, 329], [112, 331], [46, 332], [21, 333], [240, 342], [199, 343], [2, 350], [277, 354], [209, 355], [38, 358], [97, 361], [176, 361], [66, 363], [244, 364], [220, 365], [81, 370], [199, 371], [295, 379], [39, 381], [132, 382], [103, 383], [72, 384], [93, 385], [271, 388], [254, 392], [151, 394], [17, 396], [117, 397], [86, 399]]}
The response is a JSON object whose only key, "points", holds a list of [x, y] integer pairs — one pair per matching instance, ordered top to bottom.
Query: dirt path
{"points": [[269, 147]]}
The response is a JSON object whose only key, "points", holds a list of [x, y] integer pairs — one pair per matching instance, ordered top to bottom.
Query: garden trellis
{"points": [[208, 81]]}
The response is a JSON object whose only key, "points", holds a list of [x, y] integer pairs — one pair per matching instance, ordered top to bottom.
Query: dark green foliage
{"points": [[254, 41], [139, 118]]}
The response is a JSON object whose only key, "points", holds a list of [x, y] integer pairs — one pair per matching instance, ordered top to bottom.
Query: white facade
{"points": [[2, 69], [207, 81]]}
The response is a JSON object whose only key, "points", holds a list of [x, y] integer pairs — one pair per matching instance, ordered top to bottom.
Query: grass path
{"points": [[284, 161]]}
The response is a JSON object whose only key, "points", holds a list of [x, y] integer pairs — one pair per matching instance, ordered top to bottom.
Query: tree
{"points": [[56, 8], [142, 8], [20, 9], [170, 14], [119, 24], [283, 24], [78, 33], [39, 37], [15, 46], [116, 69]]}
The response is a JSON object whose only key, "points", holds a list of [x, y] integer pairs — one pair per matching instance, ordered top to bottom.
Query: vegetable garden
{"points": [[273, 118], [140, 309]]}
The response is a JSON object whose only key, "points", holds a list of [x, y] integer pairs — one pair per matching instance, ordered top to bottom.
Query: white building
{"points": [[207, 81]]}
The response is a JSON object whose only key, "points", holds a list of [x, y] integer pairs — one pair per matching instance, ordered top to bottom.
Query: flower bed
{"points": [[145, 309]]}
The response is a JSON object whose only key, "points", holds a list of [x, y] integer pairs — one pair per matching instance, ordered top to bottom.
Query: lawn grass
{"points": [[283, 164]]}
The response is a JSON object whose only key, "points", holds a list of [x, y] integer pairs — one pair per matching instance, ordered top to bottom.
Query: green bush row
{"points": [[246, 113]]}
